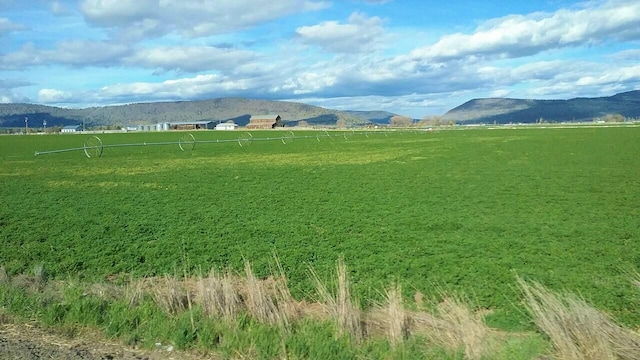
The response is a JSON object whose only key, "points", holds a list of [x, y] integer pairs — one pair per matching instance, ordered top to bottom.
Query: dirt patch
{"points": [[25, 341]]}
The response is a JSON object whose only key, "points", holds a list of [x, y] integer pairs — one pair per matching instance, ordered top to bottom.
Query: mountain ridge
{"points": [[218, 109], [509, 110]]}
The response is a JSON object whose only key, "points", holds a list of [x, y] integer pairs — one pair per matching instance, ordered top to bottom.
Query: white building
{"points": [[226, 126], [71, 128]]}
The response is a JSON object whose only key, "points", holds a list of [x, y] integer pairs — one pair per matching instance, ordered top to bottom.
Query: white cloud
{"points": [[59, 8], [190, 18], [6, 26], [359, 34], [518, 35], [83, 52], [73, 53], [27, 55], [626, 55], [190, 58], [618, 75], [12, 83], [186, 88], [500, 93], [53, 96], [8, 97], [400, 104]]}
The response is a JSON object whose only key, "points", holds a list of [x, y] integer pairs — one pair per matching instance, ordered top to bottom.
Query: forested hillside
{"points": [[223, 109], [504, 111]]}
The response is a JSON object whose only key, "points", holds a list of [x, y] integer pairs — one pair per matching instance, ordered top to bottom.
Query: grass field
{"points": [[459, 211]]}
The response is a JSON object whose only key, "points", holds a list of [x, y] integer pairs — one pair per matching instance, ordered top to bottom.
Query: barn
{"points": [[265, 122], [193, 125], [71, 128]]}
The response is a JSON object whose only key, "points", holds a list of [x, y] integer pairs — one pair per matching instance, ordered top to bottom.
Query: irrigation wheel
{"points": [[245, 139], [288, 139], [187, 142], [93, 147]]}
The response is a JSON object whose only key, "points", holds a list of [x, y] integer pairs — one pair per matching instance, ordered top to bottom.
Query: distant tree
{"points": [[613, 118], [401, 121], [425, 121], [431, 121], [303, 123], [341, 123]]}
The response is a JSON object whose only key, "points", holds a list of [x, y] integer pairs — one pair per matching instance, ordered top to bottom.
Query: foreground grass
{"points": [[239, 316]]}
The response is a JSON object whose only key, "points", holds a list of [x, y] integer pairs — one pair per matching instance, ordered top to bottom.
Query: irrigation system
{"points": [[94, 147]]}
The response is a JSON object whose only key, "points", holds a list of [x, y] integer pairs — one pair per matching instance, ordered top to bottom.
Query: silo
{"points": [[166, 126]]}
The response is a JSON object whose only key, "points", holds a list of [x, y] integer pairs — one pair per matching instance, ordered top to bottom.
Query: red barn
{"points": [[265, 122]]}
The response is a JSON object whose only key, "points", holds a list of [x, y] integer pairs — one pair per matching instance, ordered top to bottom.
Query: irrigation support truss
{"points": [[93, 146]]}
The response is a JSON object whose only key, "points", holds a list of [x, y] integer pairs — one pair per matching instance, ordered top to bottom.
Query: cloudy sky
{"points": [[412, 57]]}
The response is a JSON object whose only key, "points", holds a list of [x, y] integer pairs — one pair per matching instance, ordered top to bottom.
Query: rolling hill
{"points": [[222, 109], [503, 111], [378, 117]]}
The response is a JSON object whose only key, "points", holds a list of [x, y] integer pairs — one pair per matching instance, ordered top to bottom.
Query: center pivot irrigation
{"points": [[94, 147]]}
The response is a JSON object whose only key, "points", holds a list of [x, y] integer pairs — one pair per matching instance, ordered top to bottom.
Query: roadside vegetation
{"points": [[486, 230], [236, 315]]}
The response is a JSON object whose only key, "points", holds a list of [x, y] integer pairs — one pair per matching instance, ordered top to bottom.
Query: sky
{"points": [[411, 57]]}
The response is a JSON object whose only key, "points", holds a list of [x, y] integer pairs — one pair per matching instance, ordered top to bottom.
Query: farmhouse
{"points": [[265, 122], [193, 125], [226, 126], [71, 128]]}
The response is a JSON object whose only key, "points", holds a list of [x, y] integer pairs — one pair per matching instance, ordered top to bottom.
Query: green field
{"points": [[460, 211]]}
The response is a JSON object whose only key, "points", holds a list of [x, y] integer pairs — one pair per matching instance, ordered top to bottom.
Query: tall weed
{"points": [[576, 329]]}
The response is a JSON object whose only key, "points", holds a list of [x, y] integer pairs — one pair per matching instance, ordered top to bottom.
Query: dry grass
{"points": [[39, 274], [4, 278], [635, 279], [106, 291], [134, 292], [169, 294], [223, 295], [218, 296], [260, 299], [267, 300], [287, 305], [341, 307], [390, 318], [398, 324], [455, 327], [577, 330]]}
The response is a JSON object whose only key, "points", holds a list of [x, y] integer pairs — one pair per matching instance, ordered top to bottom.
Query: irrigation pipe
{"points": [[93, 146]]}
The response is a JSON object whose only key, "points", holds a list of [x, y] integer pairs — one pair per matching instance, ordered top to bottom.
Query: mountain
{"points": [[222, 109], [504, 111], [378, 117]]}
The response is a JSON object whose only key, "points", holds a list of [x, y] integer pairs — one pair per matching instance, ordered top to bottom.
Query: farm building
{"points": [[265, 122], [193, 125], [165, 126], [226, 126], [71, 128]]}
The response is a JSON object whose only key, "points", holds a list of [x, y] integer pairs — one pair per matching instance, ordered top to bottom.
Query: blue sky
{"points": [[415, 58]]}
